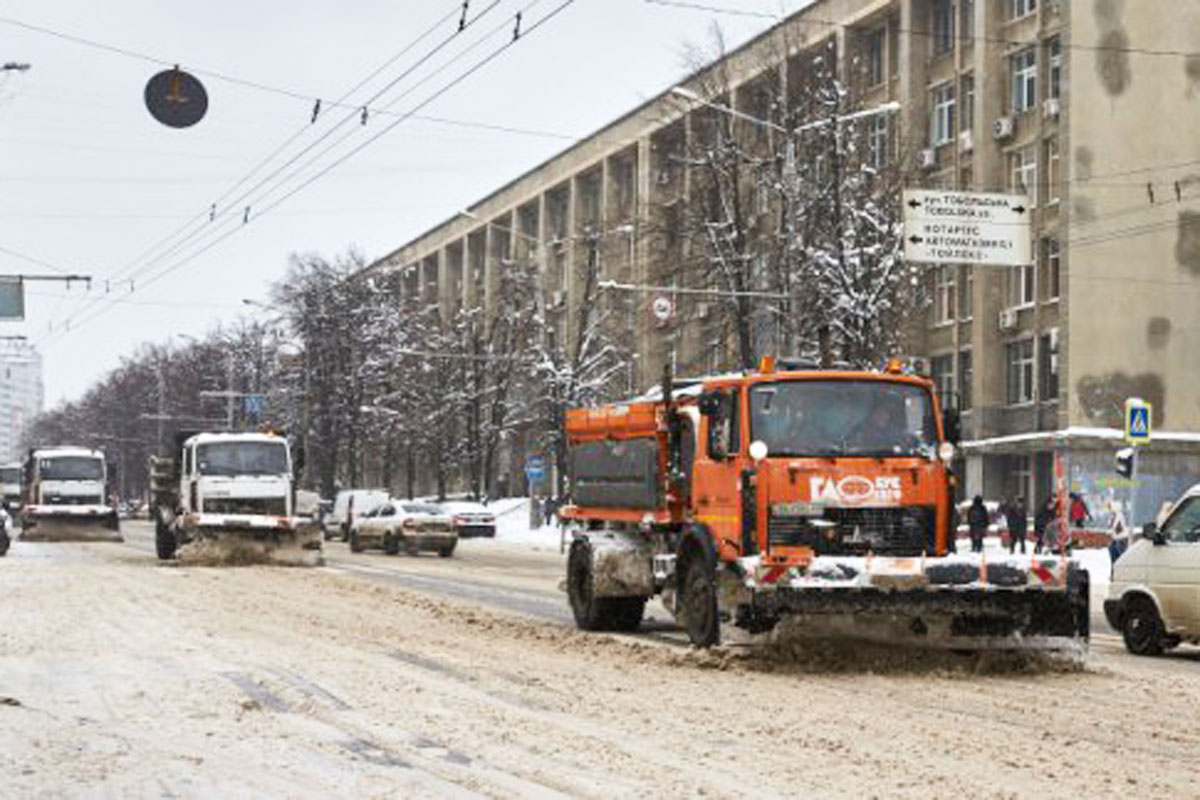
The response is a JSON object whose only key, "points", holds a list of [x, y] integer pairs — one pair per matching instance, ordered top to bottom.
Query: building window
{"points": [[1021, 8], [967, 12], [943, 26], [1054, 50], [875, 62], [1024, 80], [968, 104], [942, 128], [879, 141], [1023, 173], [1053, 262], [1020, 287], [943, 295], [966, 300], [1019, 361], [941, 370], [1048, 371], [965, 375]]}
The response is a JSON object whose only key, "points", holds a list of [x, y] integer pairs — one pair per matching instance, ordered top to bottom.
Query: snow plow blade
{"points": [[70, 527], [295, 543], [1039, 604]]}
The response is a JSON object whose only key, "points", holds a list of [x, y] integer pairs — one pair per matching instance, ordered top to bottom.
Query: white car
{"points": [[471, 519], [405, 525], [1154, 595]]}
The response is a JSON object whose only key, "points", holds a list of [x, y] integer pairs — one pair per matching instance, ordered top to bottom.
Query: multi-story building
{"points": [[1088, 108], [20, 395]]}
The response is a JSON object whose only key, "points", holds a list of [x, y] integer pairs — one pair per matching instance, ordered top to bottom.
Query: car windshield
{"points": [[843, 418], [242, 458], [71, 468], [10, 475], [422, 508], [1184, 524]]}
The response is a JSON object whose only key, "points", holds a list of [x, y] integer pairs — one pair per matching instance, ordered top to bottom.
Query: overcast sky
{"points": [[91, 181]]}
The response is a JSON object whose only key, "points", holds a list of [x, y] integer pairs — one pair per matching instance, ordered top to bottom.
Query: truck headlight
{"points": [[946, 452]]}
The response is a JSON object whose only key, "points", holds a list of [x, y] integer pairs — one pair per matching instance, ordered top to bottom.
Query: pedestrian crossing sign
{"points": [[1137, 421]]}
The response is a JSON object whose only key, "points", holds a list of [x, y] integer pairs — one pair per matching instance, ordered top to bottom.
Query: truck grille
{"points": [[72, 500], [265, 506], [904, 531]]}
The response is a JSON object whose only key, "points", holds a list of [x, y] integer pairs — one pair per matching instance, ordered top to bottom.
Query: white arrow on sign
{"points": [[944, 227]]}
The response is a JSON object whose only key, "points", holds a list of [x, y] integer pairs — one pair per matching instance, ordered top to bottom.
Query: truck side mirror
{"points": [[711, 403], [1150, 531]]}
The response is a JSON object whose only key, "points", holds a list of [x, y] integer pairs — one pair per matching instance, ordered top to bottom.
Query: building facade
{"points": [[1089, 108], [20, 396]]}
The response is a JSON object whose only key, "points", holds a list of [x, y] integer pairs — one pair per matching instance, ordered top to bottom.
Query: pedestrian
{"points": [[549, 508], [1078, 511], [1015, 514], [977, 521], [1041, 521]]}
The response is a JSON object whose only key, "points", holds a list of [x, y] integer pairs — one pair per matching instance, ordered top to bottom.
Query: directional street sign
{"points": [[943, 227], [1137, 421], [535, 469]]}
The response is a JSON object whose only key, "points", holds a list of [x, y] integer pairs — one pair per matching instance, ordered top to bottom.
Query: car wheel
{"points": [[4, 542], [355, 544], [391, 545], [446, 551], [698, 602], [1143, 629]]}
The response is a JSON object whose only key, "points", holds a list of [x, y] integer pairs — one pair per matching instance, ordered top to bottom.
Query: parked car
{"points": [[359, 501], [471, 519], [405, 525], [1154, 594]]}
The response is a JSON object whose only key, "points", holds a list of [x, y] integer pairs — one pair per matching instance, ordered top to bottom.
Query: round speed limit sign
{"points": [[663, 308]]}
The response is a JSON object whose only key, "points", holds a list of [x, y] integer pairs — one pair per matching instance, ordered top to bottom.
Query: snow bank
{"points": [[512, 524]]}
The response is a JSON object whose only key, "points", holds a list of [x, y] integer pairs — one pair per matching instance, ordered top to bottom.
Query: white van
{"points": [[348, 502], [1154, 596]]}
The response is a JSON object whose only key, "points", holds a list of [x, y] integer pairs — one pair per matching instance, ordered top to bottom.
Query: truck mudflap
{"points": [[70, 524], [218, 539], [955, 602]]}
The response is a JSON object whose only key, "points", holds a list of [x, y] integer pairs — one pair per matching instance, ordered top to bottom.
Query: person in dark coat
{"points": [[977, 521], [1041, 521], [1018, 524]]}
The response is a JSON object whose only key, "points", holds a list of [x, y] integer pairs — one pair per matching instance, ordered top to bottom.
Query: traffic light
{"points": [[1126, 458]]}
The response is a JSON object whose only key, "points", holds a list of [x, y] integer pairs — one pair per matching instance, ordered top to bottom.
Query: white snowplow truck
{"points": [[232, 495], [65, 497]]}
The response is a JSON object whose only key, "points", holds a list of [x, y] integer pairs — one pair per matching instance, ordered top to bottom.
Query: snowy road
{"points": [[426, 677]]}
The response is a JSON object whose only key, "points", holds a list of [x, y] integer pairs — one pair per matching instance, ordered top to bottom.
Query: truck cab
{"points": [[10, 486], [65, 498]]}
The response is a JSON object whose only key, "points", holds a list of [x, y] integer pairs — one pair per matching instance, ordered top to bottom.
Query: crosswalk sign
{"points": [[1137, 421]]}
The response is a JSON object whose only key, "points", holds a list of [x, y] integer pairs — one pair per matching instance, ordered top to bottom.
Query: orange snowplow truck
{"points": [[822, 498]]}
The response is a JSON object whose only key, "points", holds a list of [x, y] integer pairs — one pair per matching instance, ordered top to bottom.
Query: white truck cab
{"points": [[10, 485], [65, 496], [1154, 595]]}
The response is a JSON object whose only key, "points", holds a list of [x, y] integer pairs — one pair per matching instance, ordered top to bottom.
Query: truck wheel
{"points": [[164, 541], [355, 544], [391, 545], [446, 551], [698, 602], [590, 612], [627, 612], [1143, 630]]}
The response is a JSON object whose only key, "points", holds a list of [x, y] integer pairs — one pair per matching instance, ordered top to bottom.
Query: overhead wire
{"points": [[181, 233], [220, 237]]}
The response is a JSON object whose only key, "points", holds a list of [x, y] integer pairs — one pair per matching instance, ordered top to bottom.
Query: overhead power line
{"points": [[862, 26], [220, 235]]}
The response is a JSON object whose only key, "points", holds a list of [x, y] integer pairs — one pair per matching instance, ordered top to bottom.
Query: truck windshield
{"points": [[843, 418], [242, 458], [71, 468], [10, 475]]}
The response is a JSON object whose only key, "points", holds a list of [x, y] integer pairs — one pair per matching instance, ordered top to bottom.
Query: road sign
{"points": [[176, 99], [943, 227], [12, 298], [662, 308], [252, 405], [1137, 421], [535, 468]]}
